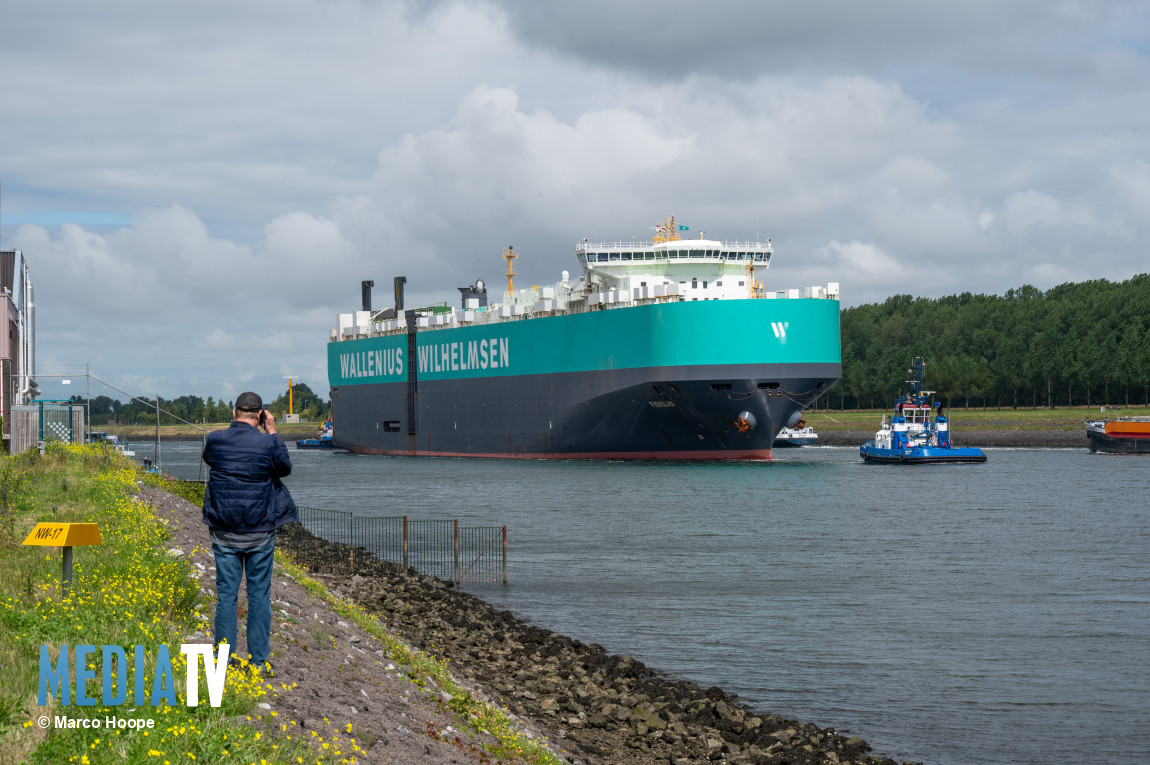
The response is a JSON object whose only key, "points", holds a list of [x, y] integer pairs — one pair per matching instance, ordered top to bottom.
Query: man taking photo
{"points": [[245, 502]]}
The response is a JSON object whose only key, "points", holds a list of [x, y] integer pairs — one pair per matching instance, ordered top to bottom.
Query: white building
{"points": [[18, 337]]}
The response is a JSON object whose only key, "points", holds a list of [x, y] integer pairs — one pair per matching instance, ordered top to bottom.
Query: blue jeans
{"points": [[230, 567]]}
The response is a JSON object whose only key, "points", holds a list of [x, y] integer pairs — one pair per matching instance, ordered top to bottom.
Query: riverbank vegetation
{"points": [[1077, 344], [106, 411], [1005, 419], [139, 588], [126, 591]]}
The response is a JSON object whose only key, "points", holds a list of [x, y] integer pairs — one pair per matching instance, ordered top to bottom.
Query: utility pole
{"points": [[87, 405], [157, 451]]}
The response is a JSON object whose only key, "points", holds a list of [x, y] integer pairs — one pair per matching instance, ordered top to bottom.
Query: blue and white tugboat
{"points": [[918, 433], [325, 439]]}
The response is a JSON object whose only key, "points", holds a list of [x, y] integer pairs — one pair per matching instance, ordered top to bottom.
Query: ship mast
{"points": [[666, 231], [510, 254], [755, 288]]}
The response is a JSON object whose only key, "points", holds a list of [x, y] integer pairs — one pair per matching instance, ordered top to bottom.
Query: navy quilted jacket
{"points": [[244, 492]]}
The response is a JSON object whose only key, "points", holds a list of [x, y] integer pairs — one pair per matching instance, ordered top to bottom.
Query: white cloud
{"points": [[271, 156]]}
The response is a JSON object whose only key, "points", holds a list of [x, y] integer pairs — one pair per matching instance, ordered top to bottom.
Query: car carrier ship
{"points": [[669, 349]]}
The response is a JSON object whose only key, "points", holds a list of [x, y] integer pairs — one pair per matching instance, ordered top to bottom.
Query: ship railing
{"points": [[630, 245], [524, 310], [334, 541]]}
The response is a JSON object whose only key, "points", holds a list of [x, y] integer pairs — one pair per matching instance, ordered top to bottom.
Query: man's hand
{"points": [[268, 422]]}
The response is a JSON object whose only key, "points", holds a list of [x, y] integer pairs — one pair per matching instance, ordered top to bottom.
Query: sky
{"points": [[199, 188]]}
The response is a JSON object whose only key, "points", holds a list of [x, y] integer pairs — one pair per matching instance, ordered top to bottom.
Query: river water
{"points": [[959, 614]]}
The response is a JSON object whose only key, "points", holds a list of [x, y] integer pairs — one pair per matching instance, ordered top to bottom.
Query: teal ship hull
{"points": [[686, 380]]}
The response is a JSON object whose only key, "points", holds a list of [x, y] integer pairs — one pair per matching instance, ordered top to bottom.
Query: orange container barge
{"points": [[1124, 435]]}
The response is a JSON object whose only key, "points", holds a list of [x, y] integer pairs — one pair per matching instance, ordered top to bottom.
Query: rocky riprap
{"points": [[602, 708]]}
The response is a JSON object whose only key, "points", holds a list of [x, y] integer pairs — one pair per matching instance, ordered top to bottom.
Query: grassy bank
{"points": [[834, 419], [969, 419], [140, 433], [134, 590], [126, 592]]}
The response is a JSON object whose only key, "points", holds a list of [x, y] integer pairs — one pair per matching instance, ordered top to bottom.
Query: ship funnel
{"points": [[399, 282], [365, 288]]}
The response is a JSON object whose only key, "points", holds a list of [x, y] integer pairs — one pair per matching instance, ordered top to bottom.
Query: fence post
{"points": [[405, 541], [505, 553], [455, 569]]}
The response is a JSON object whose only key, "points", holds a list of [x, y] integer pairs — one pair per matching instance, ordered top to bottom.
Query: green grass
{"points": [[990, 419], [126, 591], [129, 591]]}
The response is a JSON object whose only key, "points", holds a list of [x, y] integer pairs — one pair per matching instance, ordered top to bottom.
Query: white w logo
{"points": [[780, 328]]}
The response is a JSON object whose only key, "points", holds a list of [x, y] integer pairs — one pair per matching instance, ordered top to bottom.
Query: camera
{"points": [[263, 416]]}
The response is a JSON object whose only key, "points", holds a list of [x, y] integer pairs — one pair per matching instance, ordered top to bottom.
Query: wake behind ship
{"points": [[666, 349]]}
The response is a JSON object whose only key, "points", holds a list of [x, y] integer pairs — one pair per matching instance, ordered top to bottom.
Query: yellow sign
{"points": [[64, 534]]}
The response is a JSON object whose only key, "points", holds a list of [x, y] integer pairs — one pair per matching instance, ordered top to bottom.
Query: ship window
{"points": [[614, 256], [626, 256], [650, 256], [718, 284], [704, 285], [742, 285], [721, 386], [768, 386], [391, 426]]}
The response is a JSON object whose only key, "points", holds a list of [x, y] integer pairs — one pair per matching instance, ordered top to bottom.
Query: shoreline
{"points": [[1009, 438], [1023, 439], [604, 708]]}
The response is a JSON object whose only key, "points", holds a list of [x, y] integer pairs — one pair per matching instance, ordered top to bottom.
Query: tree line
{"points": [[1076, 344], [105, 410]]}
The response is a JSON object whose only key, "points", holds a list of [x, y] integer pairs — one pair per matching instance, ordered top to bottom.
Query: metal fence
{"points": [[45, 421], [331, 540]]}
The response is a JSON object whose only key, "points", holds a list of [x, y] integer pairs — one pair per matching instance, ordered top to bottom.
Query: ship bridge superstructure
{"points": [[703, 269], [618, 274]]}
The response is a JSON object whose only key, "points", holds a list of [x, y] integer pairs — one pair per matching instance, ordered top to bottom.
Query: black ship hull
{"points": [[678, 413], [1100, 442]]}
